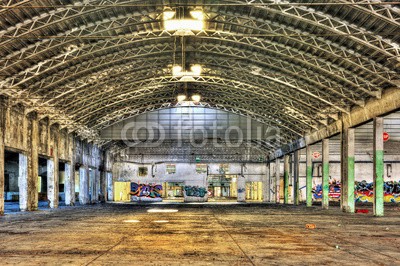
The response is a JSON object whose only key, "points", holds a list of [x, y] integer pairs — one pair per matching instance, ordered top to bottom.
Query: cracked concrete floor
{"points": [[205, 234]]}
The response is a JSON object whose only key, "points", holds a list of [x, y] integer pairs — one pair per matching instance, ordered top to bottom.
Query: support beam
{"points": [[2, 159], [33, 162], [378, 166], [296, 170], [347, 170], [53, 173], [70, 173], [325, 173], [309, 176], [286, 179], [277, 180], [23, 182], [68, 185], [84, 185], [110, 185], [266, 185], [103, 186], [241, 189], [51, 192]]}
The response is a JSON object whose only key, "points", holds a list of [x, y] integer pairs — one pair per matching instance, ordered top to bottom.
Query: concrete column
{"points": [[2, 161], [33, 162], [378, 167], [347, 168], [53, 173], [70, 173], [296, 173], [325, 173], [286, 176], [309, 176], [277, 180], [23, 182], [68, 185], [84, 185], [103, 186], [265, 186], [97, 187], [241, 189], [272, 191], [51, 193], [269, 194], [110, 196]]}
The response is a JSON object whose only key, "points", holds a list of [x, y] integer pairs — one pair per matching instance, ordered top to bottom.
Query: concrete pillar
{"points": [[2, 161], [33, 162], [378, 167], [347, 169], [53, 173], [70, 173], [296, 173], [325, 173], [286, 176], [309, 176], [277, 180], [23, 182], [273, 182], [68, 185], [84, 185], [97, 186], [103, 186], [266, 186], [241, 189], [51, 193], [269, 193], [110, 196]]}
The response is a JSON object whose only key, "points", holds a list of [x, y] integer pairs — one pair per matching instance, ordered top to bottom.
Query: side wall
{"points": [[33, 136]]}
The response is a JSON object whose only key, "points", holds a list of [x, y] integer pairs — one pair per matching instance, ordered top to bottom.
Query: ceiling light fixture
{"points": [[177, 21]]}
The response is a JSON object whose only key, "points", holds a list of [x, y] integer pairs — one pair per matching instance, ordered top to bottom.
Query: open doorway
{"points": [[11, 183], [42, 183], [222, 187]]}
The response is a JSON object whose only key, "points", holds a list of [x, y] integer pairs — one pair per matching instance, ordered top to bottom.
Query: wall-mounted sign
{"points": [[386, 136], [316, 155]]}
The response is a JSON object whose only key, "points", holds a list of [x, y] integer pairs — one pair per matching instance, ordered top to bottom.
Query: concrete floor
{"points": [[205, 234]]}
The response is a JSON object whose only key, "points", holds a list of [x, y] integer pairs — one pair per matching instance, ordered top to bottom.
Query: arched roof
{"points": [[298, 66]]}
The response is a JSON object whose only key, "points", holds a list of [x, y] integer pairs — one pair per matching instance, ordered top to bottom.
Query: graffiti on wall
{"points": [[146, 190], [334, 190], [195, 191], [363, 191]]}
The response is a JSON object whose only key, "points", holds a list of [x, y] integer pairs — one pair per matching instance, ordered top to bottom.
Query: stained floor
{"points": [[205, 234]]}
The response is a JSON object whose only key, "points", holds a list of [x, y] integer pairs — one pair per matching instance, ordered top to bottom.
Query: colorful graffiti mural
{"points": [[334, 190], [195, 191], [363, 191], [141, 192]]}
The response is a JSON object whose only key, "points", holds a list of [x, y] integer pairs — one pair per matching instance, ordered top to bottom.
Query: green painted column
{"points": [[378, 167], [296, 169], [325, 173], [347, 175], [309, 177], [286, 179]]}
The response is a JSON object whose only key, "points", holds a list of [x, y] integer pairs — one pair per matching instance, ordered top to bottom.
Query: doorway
{"points": [[11, 183], [222, 187]]}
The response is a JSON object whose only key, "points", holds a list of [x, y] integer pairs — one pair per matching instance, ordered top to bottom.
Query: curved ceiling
{"points": [[298, 66]]}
